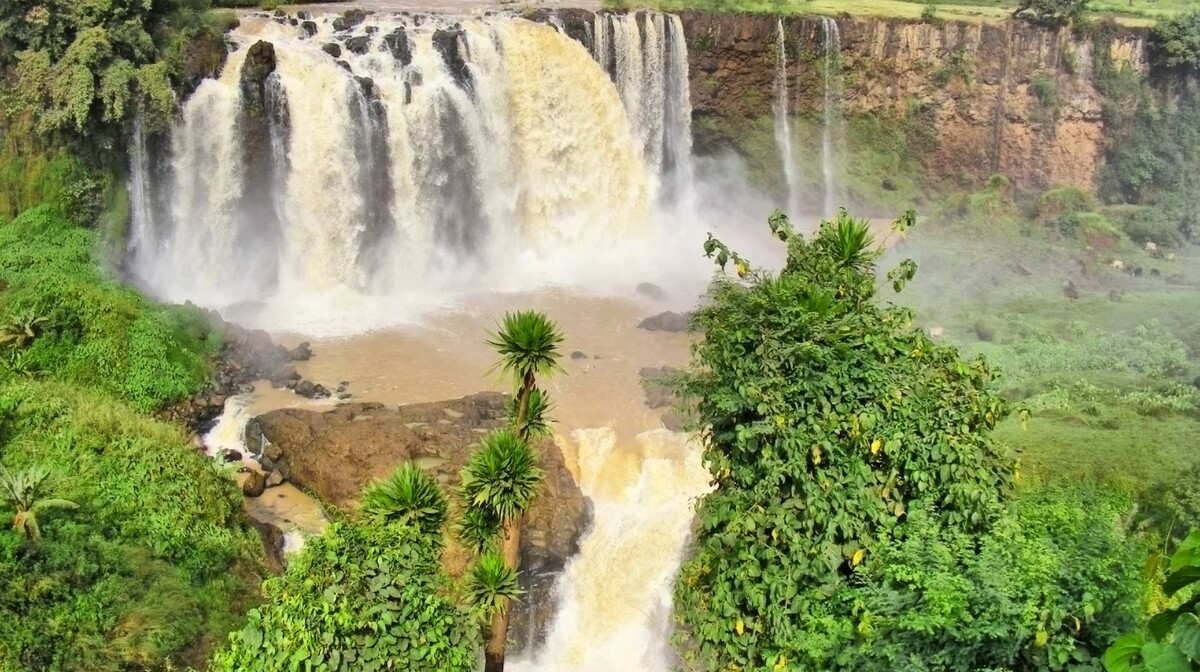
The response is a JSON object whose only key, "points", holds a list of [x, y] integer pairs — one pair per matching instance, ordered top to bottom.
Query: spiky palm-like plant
{"points": [[852, 241], [21, 330], [528, 346], [536, 418], [502, 476], [23, 491], [409, 496], [478, 529], [491, 583]]}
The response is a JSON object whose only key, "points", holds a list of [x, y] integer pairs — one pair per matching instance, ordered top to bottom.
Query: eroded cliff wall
{"points": [[1007, 98]]}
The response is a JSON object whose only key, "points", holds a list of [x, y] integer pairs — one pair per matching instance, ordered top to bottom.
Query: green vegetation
{"points": [[1177, 42], [68, 321], [150, 569], [1051, 571], [367, 595], [1171, 642]]}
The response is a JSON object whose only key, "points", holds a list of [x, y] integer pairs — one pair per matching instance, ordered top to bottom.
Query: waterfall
{"points": [[645, 54], [832, 115], [783, 130], [418, 157], [140, 188], [616, 594]]}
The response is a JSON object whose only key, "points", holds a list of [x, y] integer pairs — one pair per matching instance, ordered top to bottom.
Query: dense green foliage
{"points": [[1176, 42], [83, 67], [96, 333], [827, 419], [141, 573], [364, 596], [1171, 641]]}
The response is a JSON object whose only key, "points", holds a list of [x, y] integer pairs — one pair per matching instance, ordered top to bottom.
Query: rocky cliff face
{"points": [[1007, 98]]}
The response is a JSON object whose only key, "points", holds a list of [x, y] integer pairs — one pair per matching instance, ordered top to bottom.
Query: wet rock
{"points": [[349, 20], [309, 27], [397, 43], [359, 44], [450, 45], [333, 49], [344, 65], [651, 291], [666, 321], [301, 353], [578, 354], [282, 375], [311, 390], [658, 393], [252, 437], [336, 453], [228, 456], [266, 463], [274, 479], [254, 484], [272, 539]]}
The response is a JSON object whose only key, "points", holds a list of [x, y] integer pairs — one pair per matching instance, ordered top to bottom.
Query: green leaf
{"points": [[1187, 636], [1120, 657], [1159, 657]]}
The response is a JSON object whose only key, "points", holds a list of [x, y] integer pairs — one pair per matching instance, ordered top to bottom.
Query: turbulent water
{"points": [[396, 169]]}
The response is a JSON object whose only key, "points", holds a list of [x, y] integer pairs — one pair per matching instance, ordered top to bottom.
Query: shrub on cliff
{"points": [[1051, 12], [1175, 42]]}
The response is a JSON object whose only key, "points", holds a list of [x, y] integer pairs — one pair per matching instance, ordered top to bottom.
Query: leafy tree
{"points": [[1051, 12], [1175, 42], [82, 67], [826, 418], [502, 476], [24, 492], [409, 496], [366, 595], [1171, 641]]}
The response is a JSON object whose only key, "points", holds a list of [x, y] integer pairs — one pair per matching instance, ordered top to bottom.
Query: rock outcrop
{"points": [[994, 97], [335, 454]]}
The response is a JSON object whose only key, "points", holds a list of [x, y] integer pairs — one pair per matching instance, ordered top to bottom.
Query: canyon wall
{"points": [[1007, 98]]}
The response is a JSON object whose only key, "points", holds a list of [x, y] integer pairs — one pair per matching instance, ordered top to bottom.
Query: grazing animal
{"points": [[1151, 248], [1170, 256], [1117, 264], [1136, 271], [1155, 272], [1070, 290]]}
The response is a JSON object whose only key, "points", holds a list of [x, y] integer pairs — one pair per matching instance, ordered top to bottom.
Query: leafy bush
{"points": [[1175, 42], [1061, 201], [1144, 224], [96, 332], [826, 418], [153, 564], [1046, 589], [364, 596], [1171, 641]]}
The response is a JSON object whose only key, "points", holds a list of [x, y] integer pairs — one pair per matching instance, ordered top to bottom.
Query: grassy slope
{"points": [[1109, 381], [158, 564]]}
